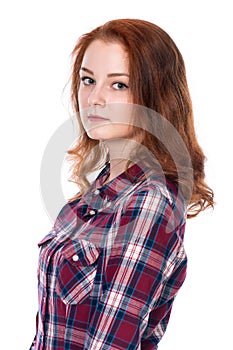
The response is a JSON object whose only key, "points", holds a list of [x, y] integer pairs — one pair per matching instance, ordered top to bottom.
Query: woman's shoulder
{"points": [[159, 187], [161, 196]]}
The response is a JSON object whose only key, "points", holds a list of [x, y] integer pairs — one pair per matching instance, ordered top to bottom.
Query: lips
{"points": [[96, 118]]}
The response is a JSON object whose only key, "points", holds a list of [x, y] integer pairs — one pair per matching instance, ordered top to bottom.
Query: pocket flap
{"points": [[81, 252], [77, 270]]}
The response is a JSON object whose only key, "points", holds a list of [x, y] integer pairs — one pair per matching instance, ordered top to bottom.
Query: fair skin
{"points": [[105, 100]]}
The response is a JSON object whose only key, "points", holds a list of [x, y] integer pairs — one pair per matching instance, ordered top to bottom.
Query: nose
{"points": [[96, 96]]}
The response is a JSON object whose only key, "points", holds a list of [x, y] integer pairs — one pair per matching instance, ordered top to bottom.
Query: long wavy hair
{"points": [[157, 80]]}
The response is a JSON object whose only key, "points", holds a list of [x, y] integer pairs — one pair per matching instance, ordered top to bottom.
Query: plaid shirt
{"points": [[110, 268]]}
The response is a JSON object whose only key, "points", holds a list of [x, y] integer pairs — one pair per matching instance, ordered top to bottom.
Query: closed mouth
{"points": [[96, 118]]}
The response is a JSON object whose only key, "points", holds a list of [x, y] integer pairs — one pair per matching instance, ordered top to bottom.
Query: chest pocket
{"points": [[76, 271]]}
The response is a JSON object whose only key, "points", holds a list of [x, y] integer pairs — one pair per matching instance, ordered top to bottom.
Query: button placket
{"points": [[97, 205], [92, 212], [75, 257]]}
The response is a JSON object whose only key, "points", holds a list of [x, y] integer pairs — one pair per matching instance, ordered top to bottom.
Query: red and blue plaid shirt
{"points": [[110, 268]]}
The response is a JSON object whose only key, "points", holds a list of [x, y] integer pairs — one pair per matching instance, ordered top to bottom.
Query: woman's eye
{"points": [[87, 81], [120, 86]]}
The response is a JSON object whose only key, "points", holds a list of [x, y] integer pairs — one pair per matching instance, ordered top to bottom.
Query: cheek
{"points": [[82, 99], [121, 112], [84, 120]]}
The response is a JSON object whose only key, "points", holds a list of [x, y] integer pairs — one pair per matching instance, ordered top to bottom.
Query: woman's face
{"points": [[104, 96]]}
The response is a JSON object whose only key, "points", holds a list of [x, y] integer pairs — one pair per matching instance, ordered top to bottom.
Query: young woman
{"points": [[112, 265]]}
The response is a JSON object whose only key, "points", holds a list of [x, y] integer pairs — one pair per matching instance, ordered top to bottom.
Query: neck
{"points": [[119, 154], [117, 166]]}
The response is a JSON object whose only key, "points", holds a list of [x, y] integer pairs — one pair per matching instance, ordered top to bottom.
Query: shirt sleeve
{"points": [[143, 273], [33, 344], [32, 347]]}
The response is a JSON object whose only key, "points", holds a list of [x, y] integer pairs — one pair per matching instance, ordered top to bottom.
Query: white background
{"points": [[37, 38]]}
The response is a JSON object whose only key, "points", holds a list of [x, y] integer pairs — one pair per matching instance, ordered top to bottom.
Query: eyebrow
{"points": [[110, 75]]}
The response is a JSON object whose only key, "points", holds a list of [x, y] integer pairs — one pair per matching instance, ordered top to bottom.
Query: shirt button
{"points": [[96, 192], [92, 212], [75, 257]]}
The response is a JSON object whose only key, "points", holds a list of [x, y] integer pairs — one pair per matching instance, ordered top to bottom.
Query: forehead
{"points": [[105, 55]]}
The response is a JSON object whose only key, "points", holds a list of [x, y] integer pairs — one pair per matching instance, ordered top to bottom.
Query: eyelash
{"points": [[83, 79], [92, 82], [124, 86]]}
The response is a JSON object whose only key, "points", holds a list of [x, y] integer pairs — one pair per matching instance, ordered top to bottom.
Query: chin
{"points": [[104, 133], [97, 134]]}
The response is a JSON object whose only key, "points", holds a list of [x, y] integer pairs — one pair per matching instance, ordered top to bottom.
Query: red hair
{"points": [[157, 81]]}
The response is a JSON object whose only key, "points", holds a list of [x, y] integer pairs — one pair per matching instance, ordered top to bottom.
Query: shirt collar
{"points": [[134, 174]]}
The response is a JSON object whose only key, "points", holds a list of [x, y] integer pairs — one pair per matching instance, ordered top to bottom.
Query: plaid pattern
{"points": [[110, 268]]}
